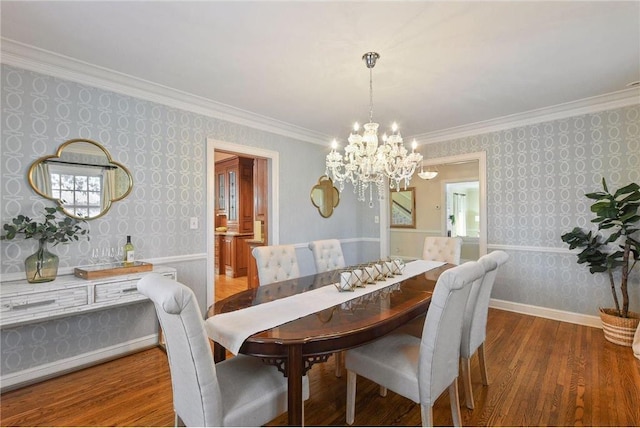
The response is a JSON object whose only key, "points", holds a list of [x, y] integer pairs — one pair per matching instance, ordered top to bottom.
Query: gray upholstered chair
{"points": [[442, 249], [327, 255], [276, 263], [474, 327], [420, 368], [241, 391]]}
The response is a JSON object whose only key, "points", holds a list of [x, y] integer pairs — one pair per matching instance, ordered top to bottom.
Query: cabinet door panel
{"points": [[221, 197]]}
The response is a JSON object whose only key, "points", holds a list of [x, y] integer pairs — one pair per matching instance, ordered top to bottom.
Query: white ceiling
{"points": [[442, 65]]}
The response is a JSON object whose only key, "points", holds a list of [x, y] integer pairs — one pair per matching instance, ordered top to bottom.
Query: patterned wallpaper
{"points": [[165, 150], [537, 176]]}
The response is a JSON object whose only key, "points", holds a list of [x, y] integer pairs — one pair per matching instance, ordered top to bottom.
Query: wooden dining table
{"points": [[294, 347]]}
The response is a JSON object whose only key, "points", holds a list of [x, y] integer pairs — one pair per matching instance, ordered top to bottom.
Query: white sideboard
{"points": [[29, 310]]}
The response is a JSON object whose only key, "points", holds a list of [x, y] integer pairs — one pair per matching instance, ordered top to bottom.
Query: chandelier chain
{"points": [[370, 94]]}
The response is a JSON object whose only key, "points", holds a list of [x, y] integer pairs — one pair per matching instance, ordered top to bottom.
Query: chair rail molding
{"points": [[556, 250]]}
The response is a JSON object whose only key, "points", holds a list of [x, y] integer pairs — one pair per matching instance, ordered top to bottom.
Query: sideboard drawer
{"points": [[115, 291], [31, 305]]}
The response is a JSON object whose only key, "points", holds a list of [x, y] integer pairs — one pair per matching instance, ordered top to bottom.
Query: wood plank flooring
{"points": [[542, 373]]}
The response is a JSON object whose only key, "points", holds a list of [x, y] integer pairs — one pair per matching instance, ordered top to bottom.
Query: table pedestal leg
{"points": [[294, 377]]}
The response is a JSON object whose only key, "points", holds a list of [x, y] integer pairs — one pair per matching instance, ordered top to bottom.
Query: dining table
{"points": [[295, 346]]}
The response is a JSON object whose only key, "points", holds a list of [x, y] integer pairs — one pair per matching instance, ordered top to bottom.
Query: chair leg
{"points": [[339, 360], [483, 365], [466, 381], [382, 391], [351, 396], [455, 403], [426, 412], [178, 421]]}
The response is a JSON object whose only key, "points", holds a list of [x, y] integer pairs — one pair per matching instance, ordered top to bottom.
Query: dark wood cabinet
{"points": [[234, 193], [235, 210], [234, 254]]}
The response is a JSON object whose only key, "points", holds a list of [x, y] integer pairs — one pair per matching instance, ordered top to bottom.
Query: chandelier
{"points": [[367, 164]]}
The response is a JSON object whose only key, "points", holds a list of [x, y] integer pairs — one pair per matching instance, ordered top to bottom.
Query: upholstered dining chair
{"points": [[443, 249], [327, 255], [276, 263], [474, 326], [420, 368], [240, 391]]}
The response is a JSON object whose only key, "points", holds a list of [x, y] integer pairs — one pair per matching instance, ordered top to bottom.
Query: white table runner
{"points": [[231, 329]]}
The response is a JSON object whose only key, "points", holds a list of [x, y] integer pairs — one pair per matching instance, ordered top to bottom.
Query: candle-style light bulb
{"points": [[356, 127], [394, 127], [384, 137], [334, 144], [414, 145]]}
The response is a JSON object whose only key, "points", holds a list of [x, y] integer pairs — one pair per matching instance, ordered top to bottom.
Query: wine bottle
{"points": [[128, 252]]}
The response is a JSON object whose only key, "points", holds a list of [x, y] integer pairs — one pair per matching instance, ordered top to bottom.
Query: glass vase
{"points": [[41, 266]]}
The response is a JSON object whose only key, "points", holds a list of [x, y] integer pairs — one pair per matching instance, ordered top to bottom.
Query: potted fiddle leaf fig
{"points": [[614, 249], [42, 266]]}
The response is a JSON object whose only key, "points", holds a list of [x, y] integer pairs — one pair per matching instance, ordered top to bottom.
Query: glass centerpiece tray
{"points": [[111, 269]]}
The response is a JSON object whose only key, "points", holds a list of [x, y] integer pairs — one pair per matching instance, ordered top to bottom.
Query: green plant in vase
{"points": [[42, 266]]}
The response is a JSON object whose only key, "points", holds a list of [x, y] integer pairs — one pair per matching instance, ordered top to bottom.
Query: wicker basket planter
{"points": [[619, 330]]}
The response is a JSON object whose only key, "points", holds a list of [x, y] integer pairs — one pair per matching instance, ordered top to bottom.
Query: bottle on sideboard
{"points": [[128, 252]]}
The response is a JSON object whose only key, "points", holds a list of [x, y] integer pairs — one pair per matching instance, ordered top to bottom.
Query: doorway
{"points": [[272, 161], [462, 202], [432, 218]]}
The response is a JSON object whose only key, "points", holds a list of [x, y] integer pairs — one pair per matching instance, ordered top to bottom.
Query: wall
{"points": [[164, 148], [537, 176]]}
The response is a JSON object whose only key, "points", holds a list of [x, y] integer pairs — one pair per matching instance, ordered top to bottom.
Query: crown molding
{"points": [[28, 57], [595, 104]]}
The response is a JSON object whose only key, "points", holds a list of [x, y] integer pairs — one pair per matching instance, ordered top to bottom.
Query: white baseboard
{"points": [[553, 314], [49, 370]]}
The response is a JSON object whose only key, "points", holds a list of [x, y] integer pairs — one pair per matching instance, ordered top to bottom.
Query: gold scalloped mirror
{"points": [[82, 178], [324, 196]]}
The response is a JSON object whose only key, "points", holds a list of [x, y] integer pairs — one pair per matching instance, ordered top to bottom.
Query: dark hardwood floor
{"points": [[542, 373]]}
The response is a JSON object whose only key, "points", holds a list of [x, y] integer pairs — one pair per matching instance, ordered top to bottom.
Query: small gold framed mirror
{"points": [[82, 178], [325, 196], [403, 208]]}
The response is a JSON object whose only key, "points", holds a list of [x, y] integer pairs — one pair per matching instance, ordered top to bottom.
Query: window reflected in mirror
{"points": [[82, 178], [403, 208]]}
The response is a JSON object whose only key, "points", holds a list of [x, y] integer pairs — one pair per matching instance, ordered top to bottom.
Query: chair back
{"points": [[442, 249], [327, 255], [276, 263], [474, 327], [440, 343], [196, 393]]}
